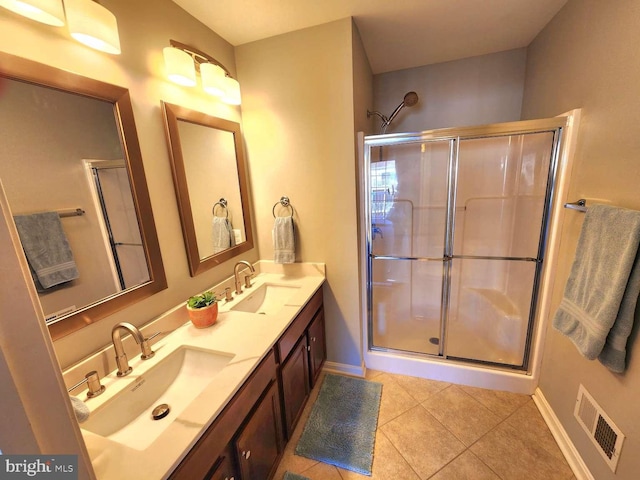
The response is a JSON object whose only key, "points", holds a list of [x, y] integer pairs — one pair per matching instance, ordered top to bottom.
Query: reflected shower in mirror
{"points": [[69, 144], [209, 175]]}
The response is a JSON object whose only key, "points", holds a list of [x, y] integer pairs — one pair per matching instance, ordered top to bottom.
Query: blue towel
{"points": [[284, 247], [47, 249], [597, 310], [293, 476]]}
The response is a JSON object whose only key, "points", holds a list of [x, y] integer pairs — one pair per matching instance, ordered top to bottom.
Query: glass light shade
{"points": [[49, 12], [92, 24], [179, 66], [213, 79], [232, 91]]}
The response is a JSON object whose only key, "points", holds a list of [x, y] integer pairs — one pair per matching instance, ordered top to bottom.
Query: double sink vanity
{"points": [[214, 403]]}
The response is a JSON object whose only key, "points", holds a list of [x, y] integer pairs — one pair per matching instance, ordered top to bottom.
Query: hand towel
{"points": [[222, 234], [46, 248], [284, 248], [596, 311], [80, 409]]}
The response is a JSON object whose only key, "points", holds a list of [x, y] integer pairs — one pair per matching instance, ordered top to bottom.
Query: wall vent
{"points": [[604, 434]]}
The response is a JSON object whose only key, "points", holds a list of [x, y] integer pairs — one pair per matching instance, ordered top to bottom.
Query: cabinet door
{"points": [[317, 346], [295, 385], [259, 444], [225, 469]]}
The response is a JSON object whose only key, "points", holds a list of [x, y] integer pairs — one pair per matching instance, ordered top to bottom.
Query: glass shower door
{"points": [[409, 188], [501, 193]]}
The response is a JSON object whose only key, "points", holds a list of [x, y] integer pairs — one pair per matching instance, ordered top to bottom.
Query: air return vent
{"points": [[601, 430]]}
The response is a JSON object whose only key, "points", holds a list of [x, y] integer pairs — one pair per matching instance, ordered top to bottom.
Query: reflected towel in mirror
{"points": [[223, 237], [284, 247], [47, 249]]}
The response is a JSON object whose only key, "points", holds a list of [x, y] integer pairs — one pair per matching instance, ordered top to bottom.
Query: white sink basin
{"points": [[267, 299], [175, 381]]}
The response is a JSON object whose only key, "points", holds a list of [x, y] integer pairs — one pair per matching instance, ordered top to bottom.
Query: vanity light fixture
{"points": [[49, 12], [89, 22], [93, 25], [182, 62]]}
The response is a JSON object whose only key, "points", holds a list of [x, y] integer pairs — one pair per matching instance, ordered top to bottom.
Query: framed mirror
{"points": [[71, 155], [209, 174]]}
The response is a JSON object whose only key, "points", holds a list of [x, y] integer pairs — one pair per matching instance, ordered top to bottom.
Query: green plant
{"points": [[203, 300]]}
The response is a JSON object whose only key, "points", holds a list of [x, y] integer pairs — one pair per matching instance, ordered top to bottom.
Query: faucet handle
{"points": [[247, 280], [147, 353], [92, 379]]}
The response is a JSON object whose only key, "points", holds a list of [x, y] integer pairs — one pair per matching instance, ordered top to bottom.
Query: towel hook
{"points": [[284, 201], [223, 203]]}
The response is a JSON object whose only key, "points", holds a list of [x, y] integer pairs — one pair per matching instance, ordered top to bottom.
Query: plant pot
{"points": [[203, 317]]}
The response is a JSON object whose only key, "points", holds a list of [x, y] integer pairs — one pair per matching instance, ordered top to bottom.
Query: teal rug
{"points": [[341, 428], [293, 476]]}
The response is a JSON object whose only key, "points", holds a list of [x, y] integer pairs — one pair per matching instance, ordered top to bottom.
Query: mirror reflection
{"points": [[209, 176], [75, 194]]}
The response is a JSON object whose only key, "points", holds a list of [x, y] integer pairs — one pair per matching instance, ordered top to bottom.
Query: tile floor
{"points": [[440, 431]]}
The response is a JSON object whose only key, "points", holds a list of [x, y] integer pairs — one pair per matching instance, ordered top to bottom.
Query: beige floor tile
{"points": [[371, 374], [420, 388], [394, 401], [500, 403], [464, 416], [528, 420], [424, 443], [519, 448], [387, 463], [466, 467], [321, 471]]}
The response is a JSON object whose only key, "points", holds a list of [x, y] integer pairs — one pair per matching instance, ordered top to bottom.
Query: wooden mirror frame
{"points": [[21, 69], [173, 113]]}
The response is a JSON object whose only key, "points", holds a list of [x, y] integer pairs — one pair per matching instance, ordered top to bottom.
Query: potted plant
{"points": [[203, 309]]}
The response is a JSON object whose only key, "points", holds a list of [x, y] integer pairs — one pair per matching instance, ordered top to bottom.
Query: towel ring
{"points": [[284, 201], [223, 203]]}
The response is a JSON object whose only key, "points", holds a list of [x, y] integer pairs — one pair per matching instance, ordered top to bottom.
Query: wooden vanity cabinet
{"points": [[302, 352], [248, 409]]}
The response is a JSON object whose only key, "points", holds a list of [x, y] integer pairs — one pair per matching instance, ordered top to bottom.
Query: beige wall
{"points": [[145, 28], [587, 57], [472, 91], [298, 122]]}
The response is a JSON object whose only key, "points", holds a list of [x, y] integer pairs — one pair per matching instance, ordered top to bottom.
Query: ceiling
{"points": [[397, 34]]}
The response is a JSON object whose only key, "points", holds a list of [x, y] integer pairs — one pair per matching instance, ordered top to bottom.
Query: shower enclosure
{"points": [[456, 227]]}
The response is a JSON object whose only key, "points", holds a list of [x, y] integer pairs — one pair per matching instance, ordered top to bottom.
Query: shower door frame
{"points": [[454, 136]]}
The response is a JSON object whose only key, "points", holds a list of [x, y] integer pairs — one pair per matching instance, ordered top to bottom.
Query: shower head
{"points": [[410, 99]]}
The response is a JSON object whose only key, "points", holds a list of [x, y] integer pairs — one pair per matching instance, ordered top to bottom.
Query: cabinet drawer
{"points": [[298, 326], [204, 454]]}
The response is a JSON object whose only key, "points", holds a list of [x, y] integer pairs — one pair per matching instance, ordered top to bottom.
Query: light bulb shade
{"points": [[49, 12], [92, 24], [179, 66], [213, 79], [231, 92]]}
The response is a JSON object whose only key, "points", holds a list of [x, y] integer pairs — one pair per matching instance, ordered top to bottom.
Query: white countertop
{"points": [[248, 336]]}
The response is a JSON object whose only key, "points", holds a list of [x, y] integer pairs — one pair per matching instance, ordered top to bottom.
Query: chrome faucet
{"points": [[236, 275], [121, 356]]}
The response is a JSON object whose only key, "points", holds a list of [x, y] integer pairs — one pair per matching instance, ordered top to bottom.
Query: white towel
{"points": [[222, 235], [284, 247], [600, 297], [80, 409]]}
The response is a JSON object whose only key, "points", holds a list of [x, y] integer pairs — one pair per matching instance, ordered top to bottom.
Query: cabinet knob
{"points": [[313, 339], [308, 348], [246, 454], [227, 478]]}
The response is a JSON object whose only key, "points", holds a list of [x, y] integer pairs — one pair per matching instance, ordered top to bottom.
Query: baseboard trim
{"points": [[345, 369], [567, 447]]}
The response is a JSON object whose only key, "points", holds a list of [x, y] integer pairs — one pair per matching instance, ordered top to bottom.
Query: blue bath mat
{"points": [[341, 428], [293, 476]]}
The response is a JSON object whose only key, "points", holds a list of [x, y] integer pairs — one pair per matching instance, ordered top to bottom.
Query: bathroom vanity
{"points": [[235, 390]]}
